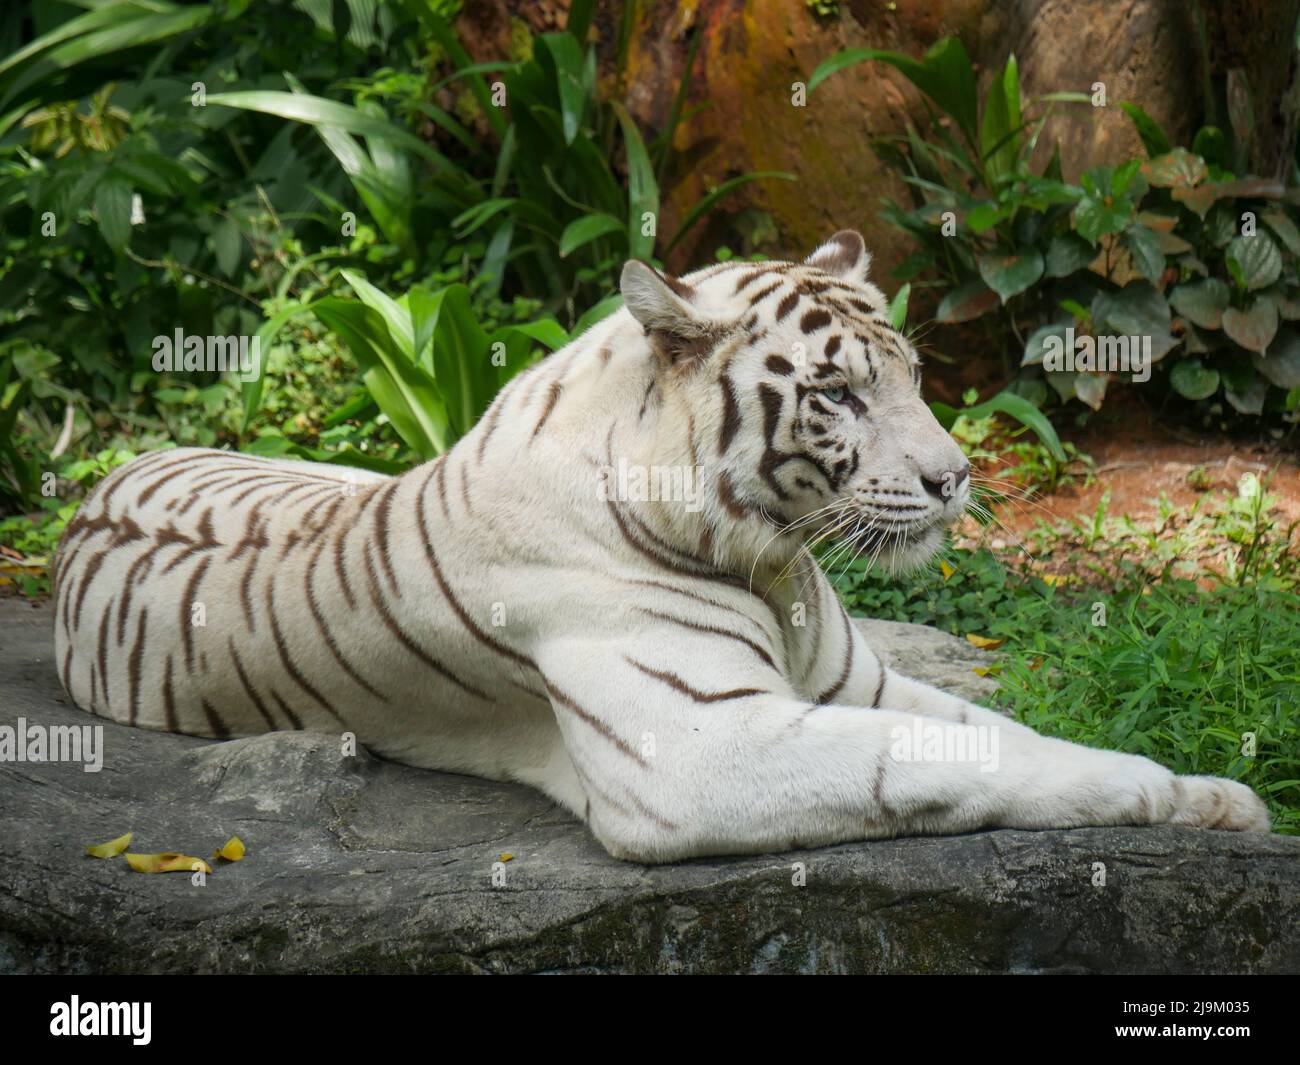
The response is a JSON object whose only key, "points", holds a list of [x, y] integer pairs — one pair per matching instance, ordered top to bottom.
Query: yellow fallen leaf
{"points": [[946, 569], [1054, 579], [984, 643], [981, 671], [112, 848], [233, 851], [506, 858], [167, 862]]}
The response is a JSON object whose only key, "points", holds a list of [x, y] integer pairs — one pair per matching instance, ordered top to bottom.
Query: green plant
{"points": [[555, 179], [129, 207], [1173, 254], [426, 361], [1005, 402], [1236, 537], [966, 594], [1152, 664], [1201, 682]]}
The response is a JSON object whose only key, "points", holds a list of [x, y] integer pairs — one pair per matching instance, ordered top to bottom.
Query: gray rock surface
{"points": [[356, 864]]}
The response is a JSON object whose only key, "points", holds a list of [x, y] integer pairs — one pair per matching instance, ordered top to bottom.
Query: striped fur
{"points": [[681, 677]]}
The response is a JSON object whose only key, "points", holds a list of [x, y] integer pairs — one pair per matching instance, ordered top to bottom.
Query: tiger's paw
{"points": [[1215, 802]]}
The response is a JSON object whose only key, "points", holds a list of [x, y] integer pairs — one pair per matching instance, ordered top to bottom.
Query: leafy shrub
{"points": [[183, 197], [1173, 249]]}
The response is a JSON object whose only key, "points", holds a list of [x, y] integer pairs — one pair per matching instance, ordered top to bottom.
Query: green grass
{"points": [[1186, 676], [1202, 682]]}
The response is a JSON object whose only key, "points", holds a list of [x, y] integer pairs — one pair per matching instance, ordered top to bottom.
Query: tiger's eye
{"points": [[835, 395]]}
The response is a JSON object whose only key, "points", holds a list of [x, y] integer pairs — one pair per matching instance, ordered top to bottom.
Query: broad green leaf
{"points": [[566, 54], [945, 75], [318, 111], [1001, 121], [1153, 137], [1211, 145], [1175, 169], [1126, 176], [381, 178], [642, 189], [1201, 198], [113, 210], [984, 217], [1094, 217], [1221, 225], [1284, 228], [584, 230], [1144, 247], [1067, 253], [1258, 260], [1008, 274], [969, 301], [1202, 302], [423, 306], [898, 307], [1137, 309], [396, 317], [1254, 327], [546, 331], [1041, 341], [462, 360], [1281, 366], [1192, 379], [1090, 388], [405, 392], [1248, 398], [1006, 403]]}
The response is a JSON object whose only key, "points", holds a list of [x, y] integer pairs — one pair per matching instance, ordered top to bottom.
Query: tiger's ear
{"points": [[845, 255], [656, 300], [677, 333]]}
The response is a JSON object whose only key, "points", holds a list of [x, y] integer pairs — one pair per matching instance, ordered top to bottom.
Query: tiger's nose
{"points": [[947, 484]]}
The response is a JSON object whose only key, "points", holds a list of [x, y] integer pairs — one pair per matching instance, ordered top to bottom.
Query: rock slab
{"points": [[359, 865]]}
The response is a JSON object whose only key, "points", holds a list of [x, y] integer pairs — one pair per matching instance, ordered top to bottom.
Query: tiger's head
{"points": [[801, 404]]}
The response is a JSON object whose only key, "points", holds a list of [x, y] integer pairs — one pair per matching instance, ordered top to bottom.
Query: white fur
{"points": [[584, 665]]}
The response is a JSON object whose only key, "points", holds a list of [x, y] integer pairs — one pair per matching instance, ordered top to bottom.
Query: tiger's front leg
{"points": [[841, 667], [715, 754]]}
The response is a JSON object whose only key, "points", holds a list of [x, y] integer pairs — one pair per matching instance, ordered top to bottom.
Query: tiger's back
{"points": [[176, 557], [222, 595]]}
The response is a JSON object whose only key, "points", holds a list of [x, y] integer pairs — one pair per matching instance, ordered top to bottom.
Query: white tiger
{"points": [[676, 672]]}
